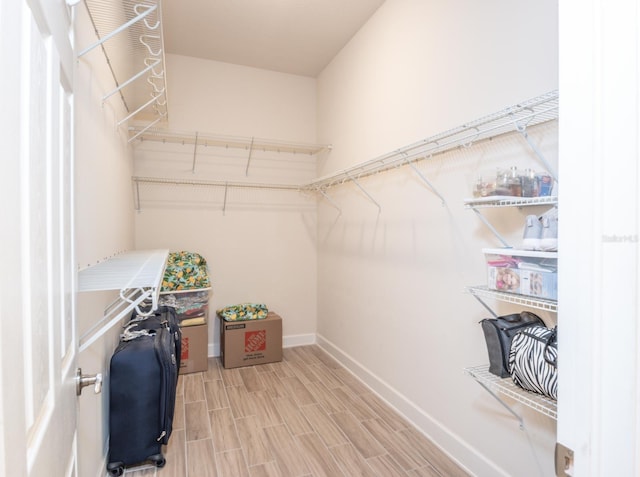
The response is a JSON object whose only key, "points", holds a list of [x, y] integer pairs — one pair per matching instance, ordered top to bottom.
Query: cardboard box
{"points": [[245, 343], [195, 344]]}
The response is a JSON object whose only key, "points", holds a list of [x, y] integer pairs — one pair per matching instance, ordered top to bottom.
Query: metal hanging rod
{"points": [[515, 118], [217, 140], [225, 184]]}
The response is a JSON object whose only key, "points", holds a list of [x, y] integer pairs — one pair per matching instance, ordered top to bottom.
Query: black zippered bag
{"points": [[498, 334]]}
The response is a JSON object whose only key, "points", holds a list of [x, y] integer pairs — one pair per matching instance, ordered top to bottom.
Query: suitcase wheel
{"points": [[158, 460], [115, 468]]}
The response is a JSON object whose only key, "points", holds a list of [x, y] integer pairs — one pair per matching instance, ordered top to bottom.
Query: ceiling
{"points": [[298, 37]]}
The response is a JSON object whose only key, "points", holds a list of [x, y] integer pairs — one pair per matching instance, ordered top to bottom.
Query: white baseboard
{"points": [[298, 340], [287, 342], [447, 441]]}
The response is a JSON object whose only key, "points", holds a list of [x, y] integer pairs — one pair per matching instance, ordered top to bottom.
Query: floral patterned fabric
{"points": [[185, 271], [244, 311]]}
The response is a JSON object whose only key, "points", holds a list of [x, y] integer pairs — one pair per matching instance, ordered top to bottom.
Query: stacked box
{"points": [[245, 343]]}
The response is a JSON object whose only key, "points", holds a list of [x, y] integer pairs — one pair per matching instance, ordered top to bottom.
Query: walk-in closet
{"points": [[377, 237]]}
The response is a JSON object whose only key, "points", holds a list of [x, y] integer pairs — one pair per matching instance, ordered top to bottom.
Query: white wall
{"points": [[103, 227], [262, 248], [390, 285]]}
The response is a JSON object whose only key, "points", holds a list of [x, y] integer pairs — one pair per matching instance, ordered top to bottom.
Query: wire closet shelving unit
{"points": [[129, 33], [516, 118]]}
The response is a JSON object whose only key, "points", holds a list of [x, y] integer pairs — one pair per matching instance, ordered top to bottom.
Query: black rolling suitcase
{"points": [[142, 384]]}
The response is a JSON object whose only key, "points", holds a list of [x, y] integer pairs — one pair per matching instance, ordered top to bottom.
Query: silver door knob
{"points": [[84, 380]]}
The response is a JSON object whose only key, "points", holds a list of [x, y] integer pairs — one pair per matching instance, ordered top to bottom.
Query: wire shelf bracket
{"points": [[353, 179], [425, 180], [331, 201], [505, 201], [137, 275], [498, 387]]}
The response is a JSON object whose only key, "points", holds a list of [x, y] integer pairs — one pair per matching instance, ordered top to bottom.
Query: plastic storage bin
{"points": [[523, 272]]}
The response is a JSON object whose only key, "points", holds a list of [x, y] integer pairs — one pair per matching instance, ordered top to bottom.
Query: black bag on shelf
{"points": [[498, 333], [533, 360]]}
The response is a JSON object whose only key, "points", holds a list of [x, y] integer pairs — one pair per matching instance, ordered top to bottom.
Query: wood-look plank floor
{"points": [[306, 416]]}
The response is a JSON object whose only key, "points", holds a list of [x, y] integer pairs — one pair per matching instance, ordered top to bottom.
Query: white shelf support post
{"points": [[130, 80], [152, 100], [155, 121], [523, 131], [195, 148], [246, 172], [353, 179], [425, 180], [324, 194], [137, 197], [224, 203], [491, 227], [487, 307], [504, 404]]}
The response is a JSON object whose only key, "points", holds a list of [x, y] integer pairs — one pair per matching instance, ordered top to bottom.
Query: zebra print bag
{"points": [[533, 360]]}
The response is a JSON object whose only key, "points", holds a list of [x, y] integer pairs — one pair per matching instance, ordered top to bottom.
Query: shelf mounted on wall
{"points": [[129, 33], [516, 118], [505, 201], [136, 275], [498, 387]]}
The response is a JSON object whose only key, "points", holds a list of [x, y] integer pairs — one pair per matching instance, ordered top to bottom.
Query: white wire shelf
{"points": [[130, 35], [515, 118], [512, 119], [139, 134], [509, 201], [136, 269], [137, 275], [538, 303], [507, 387]]}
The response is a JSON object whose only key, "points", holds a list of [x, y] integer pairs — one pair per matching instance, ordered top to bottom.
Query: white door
{"points": [[599, 331], [37, 342]]}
